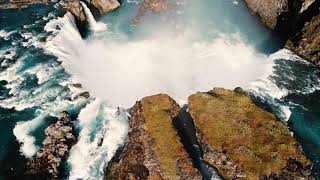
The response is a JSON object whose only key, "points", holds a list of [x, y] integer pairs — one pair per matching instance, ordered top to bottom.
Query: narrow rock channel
{"points": [[187, 132]]}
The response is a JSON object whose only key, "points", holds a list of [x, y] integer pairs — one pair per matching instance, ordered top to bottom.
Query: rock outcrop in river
{"points": [[97, 7], [296, 21], [242, 140], [153, 149], [49, 160]]}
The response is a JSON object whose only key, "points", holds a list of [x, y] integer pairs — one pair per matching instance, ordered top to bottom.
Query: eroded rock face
{"points": [[99, 7], [76, 10], [268, 10], [294, 20], [307, 42], [243, 141], [153, 149], [48, 161]]}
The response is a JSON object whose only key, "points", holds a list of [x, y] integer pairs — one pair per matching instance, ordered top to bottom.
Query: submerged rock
{"points": [[156, 6], [296, 21], [242, 140], [153, 149], [49, 160]]}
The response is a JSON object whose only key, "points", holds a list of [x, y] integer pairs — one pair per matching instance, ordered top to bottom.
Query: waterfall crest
{"points": [[94, 25]]}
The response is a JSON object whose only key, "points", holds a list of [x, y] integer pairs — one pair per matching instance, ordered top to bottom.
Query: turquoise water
{"points": [[192, 47]]}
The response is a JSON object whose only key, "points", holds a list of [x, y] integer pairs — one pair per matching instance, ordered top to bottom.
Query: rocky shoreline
{"points": [[296, 22], [234, 137], [48, 162]]}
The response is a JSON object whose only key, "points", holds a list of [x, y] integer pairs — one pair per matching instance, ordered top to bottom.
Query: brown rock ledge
{"points": [[242, 140], [153, 149]]}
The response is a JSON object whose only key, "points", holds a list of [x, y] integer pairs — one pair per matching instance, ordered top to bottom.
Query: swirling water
{"points": [[192, 47]]}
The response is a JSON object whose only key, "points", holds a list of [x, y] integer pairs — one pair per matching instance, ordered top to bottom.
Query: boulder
{"points": [[244, 141], [153, 149], [48, 161]]}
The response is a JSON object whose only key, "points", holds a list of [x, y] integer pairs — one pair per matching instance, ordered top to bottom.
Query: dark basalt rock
{"points": [[295, 21], [49, 160]]}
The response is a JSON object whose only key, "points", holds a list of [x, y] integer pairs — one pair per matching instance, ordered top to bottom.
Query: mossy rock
{"points": [[244, 141], [153, 149]]}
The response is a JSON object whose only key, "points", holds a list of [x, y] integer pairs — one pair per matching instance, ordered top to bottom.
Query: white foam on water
{"points": [[94, 25], [3, 33], [8, 34], [175, 65], [46, 72], [266, 88], [23, 130], [103, 130]]}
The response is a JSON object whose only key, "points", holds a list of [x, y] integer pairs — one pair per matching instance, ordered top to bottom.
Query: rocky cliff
{"points": [[99, 7], [295, 21], [239, 139], [243, 141], [153, 149], [49, 160]]}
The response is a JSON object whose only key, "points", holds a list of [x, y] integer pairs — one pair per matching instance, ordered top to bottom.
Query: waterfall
{"points": [[94, 25]]}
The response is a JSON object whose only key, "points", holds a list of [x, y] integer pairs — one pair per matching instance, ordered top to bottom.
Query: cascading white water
{"points": [[94, 25], [122, 72], [103, 130]]}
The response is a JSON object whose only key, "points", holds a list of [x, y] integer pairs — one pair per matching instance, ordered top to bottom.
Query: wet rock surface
{"points": [[77, 11], [295, 21], [243, 141], [153, 149], [49, 160]]}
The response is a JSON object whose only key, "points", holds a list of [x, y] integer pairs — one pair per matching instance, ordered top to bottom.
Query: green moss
{"points": [[158, 112], [250, 136]]}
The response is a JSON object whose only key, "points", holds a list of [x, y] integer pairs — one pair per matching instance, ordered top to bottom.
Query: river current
{"points": [[194, 46]]}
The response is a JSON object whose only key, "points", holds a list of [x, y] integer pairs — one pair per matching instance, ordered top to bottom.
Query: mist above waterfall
{"points": [[164, 61]]}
